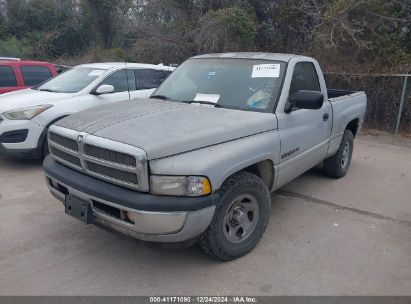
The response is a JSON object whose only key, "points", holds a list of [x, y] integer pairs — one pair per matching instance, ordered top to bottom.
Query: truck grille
{"points": [[63, 141], [109, 155], [66, 157], [112, 161], [112, 173]]}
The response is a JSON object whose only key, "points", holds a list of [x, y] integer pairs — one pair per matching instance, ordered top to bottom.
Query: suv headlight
{"points": [[26, 113], [180, 185]]}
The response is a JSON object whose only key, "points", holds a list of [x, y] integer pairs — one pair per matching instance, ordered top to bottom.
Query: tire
{"points": [[44, 148], [337, 165], [244, 201]]}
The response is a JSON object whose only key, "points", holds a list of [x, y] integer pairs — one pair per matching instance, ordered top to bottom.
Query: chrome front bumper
{"points": [[154, 226]]}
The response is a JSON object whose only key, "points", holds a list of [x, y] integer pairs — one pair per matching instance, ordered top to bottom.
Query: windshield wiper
{"points": [[47, 90], [163, 97], [203, 102]]}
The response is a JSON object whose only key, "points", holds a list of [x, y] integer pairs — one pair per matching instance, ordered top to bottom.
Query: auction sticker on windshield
{"points": [[266, 71], [96, 73], [207, 97]]}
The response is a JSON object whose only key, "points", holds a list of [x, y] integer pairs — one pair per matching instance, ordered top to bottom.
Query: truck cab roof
{"points": [[251, 55]]}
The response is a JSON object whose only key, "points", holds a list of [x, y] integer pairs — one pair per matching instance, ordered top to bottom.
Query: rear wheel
{"points": [[337, 165], [240, 219]]}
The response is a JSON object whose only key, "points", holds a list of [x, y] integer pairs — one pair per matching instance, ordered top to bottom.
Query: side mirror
{"points": [[104, 89], [303, 99]]}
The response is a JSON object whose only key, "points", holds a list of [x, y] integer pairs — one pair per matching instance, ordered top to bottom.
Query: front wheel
{"points": [[44, 147], [337, 165], [240, 219]]}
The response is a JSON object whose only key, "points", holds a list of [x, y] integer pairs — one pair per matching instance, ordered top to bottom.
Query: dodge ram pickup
{"points": [[196, 161]]}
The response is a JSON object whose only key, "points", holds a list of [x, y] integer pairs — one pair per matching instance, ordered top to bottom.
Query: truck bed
{"points": [[333, 93], [346, 108]]}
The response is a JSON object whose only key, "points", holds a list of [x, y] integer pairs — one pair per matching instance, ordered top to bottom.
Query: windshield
{"points": [[71, 81], [244, 84]]}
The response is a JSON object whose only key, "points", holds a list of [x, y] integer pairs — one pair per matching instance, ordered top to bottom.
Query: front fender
{"points": [[220, 161]]}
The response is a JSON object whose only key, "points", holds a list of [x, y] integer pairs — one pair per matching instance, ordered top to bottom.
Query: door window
{"points": [[34, 75], [7, 77], [149, 78], [304, 78], [131, 80], [122, 81]]}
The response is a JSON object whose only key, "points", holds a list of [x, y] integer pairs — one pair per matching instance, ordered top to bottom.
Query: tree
{"points": [[105, 20], [225, 30], [350, 35]]}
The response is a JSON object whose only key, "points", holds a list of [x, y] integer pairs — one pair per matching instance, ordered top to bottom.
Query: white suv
{"points": [[26, 115]]}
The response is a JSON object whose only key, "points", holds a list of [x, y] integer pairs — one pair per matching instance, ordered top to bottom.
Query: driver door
{"points": [[304, 133]]}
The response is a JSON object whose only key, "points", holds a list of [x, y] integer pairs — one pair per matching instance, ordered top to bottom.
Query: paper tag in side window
{"points": [[266, 71]]}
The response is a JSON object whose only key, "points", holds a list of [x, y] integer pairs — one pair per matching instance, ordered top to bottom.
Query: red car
{"points": [[21, 74]]}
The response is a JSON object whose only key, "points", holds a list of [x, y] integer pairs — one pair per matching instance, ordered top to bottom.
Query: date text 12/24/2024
{"points": [[203, 299]]}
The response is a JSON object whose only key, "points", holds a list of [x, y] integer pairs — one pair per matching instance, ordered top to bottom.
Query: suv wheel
{"points": [[44, 147], [240, 219]]}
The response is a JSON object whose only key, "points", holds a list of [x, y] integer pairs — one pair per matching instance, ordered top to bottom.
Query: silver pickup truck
{"points": [[197, 161]]}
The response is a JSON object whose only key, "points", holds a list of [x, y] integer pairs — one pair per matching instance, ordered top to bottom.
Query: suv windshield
{"points": [[71, 81], [244, 84]]}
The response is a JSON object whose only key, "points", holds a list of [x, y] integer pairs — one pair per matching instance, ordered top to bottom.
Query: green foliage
{"points": [[101, 19], [241, 25], [49, 28], [374, 33], [348, 35], [12, 47]]}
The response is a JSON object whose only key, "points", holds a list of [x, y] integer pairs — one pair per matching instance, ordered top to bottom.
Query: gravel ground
{"points": [[326, 237]]}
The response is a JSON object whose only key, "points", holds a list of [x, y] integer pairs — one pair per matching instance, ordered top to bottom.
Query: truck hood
{"points": [[28, 98], [164, 128]]}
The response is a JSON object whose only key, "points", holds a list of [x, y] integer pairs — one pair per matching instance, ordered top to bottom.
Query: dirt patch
{"points": [[403, 140]]}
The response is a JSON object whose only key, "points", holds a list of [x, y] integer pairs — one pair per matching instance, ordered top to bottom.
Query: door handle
{"points": [[325, 116]]}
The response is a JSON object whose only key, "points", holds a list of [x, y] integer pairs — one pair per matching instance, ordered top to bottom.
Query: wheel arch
{"points": [[353, 126], [44, 133], [264, 169]]}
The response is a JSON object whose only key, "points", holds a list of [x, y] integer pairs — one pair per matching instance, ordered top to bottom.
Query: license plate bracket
{"points": [[78, 209]]}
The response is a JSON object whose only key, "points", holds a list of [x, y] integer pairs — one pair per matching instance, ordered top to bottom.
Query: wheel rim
{"points": [[345, 155], [241, 218]]}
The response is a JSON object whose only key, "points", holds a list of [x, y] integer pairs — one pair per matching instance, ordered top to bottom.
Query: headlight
{"points": [[27, 113], [180, 185]]}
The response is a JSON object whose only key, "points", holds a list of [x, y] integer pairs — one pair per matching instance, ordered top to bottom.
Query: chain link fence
{"points": [[389, 99]]}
